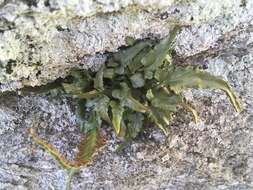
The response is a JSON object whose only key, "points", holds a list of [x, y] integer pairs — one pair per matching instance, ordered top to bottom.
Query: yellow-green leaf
{"points": [[109, 73], [188, 77], [71, 88], [88, 95], [165, 101], [135, 105], [101, 107], [189, 107], [117, 114], [93, 123], [88, 146], [53, 151]]}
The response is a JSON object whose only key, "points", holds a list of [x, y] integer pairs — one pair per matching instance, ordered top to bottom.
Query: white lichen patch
{"points": [[47, 40], [10, 47]]}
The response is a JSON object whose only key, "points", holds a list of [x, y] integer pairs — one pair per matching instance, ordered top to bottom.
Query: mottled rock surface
{"points": [[41, 41]]}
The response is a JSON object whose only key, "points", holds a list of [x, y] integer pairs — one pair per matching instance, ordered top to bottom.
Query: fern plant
{"points": [[136, 86]]}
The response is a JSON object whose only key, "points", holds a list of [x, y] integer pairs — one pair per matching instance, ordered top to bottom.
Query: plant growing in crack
{"points": [[136, 86]]}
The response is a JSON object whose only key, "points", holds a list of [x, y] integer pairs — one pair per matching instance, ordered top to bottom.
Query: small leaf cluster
{"points": [[137, 86]]}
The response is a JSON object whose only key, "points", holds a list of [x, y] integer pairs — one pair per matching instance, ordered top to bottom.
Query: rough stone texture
{"points": [[41, 40], [40, 47]]}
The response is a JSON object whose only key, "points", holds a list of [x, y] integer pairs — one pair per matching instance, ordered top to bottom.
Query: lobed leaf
{"points": [[125, 56], [156, 56], [136, 64], [189, 77], [137, 80], [80, 81], [124, 95], [166, 102], [101, 108], [117, 114], [160, 118], [94, 122], [134, 125], [88, 147], [53, 151]]}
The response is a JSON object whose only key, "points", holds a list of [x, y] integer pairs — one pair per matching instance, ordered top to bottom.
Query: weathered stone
{"points": [[42, 41], [39, 47]]}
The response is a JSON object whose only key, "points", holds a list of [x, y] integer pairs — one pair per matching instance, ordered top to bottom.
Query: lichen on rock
{"points": [[45, 40], [41, 41]]}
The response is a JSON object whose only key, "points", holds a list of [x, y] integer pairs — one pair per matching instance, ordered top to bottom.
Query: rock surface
{"points": [[41, 41]]}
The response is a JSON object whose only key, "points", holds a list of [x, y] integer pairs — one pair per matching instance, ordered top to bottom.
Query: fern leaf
{"points": [[126, 56], [155, 57], [181, 78], [98, 81], [126, 98], [166, 101], [101, 106], [192, 110], [117, 114], [160, 118], [134, 125], [88, 147], [53, 151]]}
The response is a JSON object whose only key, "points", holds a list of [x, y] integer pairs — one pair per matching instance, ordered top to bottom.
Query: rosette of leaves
{"points": [[139, 85]]}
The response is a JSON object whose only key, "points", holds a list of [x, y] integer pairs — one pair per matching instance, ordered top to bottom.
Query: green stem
{"points": [[71, 173]]}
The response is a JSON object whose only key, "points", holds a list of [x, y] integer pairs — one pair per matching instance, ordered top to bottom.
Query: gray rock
{"points": [[41, 41]]}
